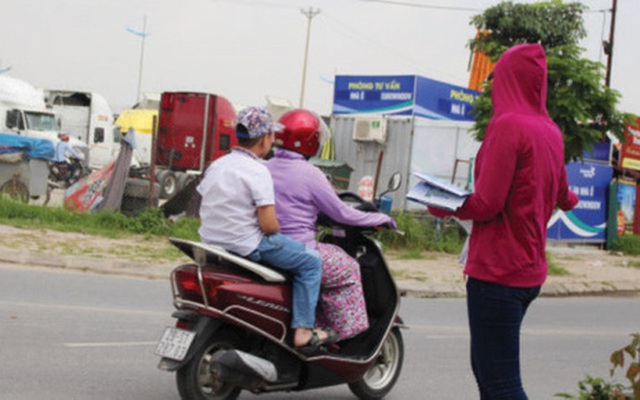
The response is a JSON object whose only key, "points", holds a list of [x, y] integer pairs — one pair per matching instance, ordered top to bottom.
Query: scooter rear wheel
{"points": [[383, 374], [196, 381]]}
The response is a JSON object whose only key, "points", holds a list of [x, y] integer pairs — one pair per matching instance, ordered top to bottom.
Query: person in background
{"points": [[64, 150], [520, 177], [302, 191], [237, 212]]}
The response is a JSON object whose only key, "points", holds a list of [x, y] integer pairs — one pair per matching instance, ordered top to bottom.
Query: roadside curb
{"points": [[86, 264], [409, 288]]}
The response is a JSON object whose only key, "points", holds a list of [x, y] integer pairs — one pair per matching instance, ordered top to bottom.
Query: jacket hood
{"points": [[520, 81]]}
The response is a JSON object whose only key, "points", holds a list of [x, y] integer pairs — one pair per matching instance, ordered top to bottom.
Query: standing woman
{"points": [[520, 177], [302, 191]]}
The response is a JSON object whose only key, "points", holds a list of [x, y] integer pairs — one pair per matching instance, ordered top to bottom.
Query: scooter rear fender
{"points": [[398, 322], [204, 327]]}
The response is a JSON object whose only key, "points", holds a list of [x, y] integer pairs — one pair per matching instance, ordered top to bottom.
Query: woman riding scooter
{"points": [[302, 191]]}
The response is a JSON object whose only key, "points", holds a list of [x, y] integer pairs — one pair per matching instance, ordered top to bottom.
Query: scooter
{"points": [[62, 176], [232, 331]]}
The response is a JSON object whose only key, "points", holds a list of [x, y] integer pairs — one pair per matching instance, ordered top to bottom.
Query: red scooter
{"points": [[232, 331]]}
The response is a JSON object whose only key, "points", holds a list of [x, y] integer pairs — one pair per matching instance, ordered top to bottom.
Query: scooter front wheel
{"points": [[383, 374], [196, 381]]}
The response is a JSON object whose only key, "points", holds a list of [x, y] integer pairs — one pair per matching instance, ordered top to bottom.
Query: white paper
{"points": [[438, 193]]}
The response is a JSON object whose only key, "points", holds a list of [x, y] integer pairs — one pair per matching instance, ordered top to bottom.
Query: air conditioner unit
{"points": [[370, 130]]}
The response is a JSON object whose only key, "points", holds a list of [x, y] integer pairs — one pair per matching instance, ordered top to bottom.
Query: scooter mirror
{"points": [[394, 182]]}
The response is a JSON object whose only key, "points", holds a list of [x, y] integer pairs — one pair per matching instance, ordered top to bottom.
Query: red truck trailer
{"points": [[193, 130]]}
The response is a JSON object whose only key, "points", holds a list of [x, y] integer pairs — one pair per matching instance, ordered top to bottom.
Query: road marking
{"points": [[82, 308], [448, 332], [109, 344]]}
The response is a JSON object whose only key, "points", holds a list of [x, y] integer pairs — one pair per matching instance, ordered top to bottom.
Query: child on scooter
{"points": [[238, 213]]}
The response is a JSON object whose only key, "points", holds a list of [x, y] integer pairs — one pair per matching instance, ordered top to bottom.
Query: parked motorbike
{"points": [[61, 175], [232, 330]]}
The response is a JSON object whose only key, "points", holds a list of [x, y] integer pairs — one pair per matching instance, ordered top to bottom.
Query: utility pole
{"points": [[309, 13], [144, 35], [608, 45]]}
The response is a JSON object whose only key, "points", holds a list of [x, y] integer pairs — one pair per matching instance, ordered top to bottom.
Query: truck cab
{"points": [[23, 112], [87, 117]]}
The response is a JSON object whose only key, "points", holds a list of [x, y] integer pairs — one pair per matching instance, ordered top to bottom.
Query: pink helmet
{"points": [[301, 133], [64, 137]]}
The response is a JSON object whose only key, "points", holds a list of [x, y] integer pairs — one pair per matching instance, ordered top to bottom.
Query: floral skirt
{"points": [[341, 305]]}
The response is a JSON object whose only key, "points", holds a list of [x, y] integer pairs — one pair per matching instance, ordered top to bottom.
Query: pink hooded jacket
{"points": [[520, 176]]}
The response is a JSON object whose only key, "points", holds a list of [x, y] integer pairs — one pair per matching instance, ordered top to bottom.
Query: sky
{"points": [[246, 50]]}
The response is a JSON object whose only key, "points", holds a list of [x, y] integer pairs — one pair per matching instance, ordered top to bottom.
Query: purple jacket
{"points": [[302, 191]]}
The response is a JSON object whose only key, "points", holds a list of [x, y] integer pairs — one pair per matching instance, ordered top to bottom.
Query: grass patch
{"points": [[111, 224], [423, 232], [627, 244], [410, 254], [634, 264], [555, 269]]}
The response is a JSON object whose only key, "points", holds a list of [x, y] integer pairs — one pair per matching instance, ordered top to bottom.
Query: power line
{"points": [[261, 3], [407, 4], [449, 8], [366, 39]]}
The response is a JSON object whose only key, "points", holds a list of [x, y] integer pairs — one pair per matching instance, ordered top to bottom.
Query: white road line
{"points": [[83, 308], [109, 344]]}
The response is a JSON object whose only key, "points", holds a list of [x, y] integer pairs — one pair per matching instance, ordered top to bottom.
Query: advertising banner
{"points": [[402, 95], [439, 100], [630, 150], [626, 206], [588, 220]]}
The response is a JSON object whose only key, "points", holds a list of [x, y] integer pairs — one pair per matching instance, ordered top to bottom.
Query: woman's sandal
{"points": [[316, 345]]}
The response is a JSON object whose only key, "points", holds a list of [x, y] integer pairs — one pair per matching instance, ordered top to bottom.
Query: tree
{"points": [[577, 100]]}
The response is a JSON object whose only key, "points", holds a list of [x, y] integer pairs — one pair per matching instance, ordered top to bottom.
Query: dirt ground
{"points": [[586, 265]]}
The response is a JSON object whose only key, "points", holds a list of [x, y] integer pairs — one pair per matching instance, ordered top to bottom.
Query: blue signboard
{"points": [[402, 95], [588, 220]]}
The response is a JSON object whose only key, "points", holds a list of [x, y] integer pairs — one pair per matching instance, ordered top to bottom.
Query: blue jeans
{"points": [[305, 265], [495, 315]]}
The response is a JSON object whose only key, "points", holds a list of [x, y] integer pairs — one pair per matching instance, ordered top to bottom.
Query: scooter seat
{"points": [[200, 252]]}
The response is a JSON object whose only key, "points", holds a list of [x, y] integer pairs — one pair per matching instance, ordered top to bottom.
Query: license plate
{"points": [[174, 343]]}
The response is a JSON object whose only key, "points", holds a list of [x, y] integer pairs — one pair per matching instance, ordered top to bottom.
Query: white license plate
{"points": [[175, 343]]}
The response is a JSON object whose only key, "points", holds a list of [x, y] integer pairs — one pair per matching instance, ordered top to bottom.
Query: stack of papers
{"points": [[436, 192]]}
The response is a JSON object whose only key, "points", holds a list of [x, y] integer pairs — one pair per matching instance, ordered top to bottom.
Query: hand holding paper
{"points": [[437, 193]]}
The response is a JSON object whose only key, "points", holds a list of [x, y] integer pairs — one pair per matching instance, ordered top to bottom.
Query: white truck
{"points": [[23, 112], [87, 117]]}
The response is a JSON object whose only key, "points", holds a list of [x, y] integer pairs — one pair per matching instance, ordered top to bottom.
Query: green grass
{"points": [[150, 222], [422, 232], [627, 244], [634, 264], [555, 269]]}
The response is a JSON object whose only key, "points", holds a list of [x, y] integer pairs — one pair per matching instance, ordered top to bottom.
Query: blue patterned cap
{"points": [[257, 122]]}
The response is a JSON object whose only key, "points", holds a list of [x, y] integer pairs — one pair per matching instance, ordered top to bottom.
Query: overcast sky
{"points": [[248, 49]]}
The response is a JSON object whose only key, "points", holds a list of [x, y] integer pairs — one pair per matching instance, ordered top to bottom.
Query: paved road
{"points": [[83, 336]]}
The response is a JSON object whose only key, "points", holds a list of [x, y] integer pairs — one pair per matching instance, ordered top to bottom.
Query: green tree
{"points": [[578, 100]]}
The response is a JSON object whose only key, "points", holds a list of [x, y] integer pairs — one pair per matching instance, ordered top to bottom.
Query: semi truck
{"points": [[23, 112], [86, 116], [139, 121], [193, 129]]}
